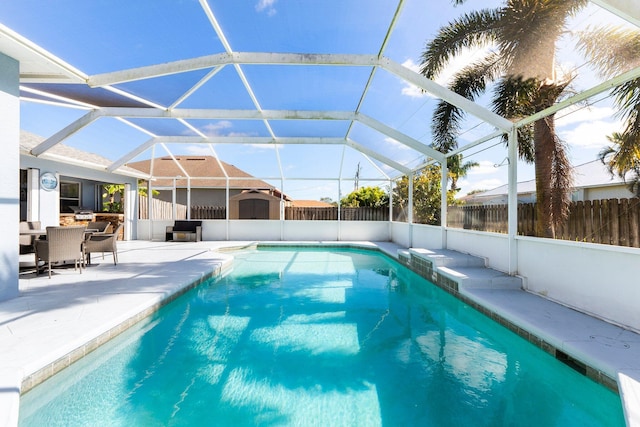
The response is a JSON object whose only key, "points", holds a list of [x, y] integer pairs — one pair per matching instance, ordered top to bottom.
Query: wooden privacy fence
{"points": [[160, 209], [164, 210], [208, 212], [331, 214], [609, 221]]}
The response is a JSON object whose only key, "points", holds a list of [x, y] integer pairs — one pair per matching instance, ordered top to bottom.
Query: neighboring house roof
{"points": [[70, 155], [198, 168], [591, 174], [310, 204]]}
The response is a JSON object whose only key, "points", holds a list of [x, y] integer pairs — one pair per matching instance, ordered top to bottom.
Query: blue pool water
{"points": [[321, 338]]}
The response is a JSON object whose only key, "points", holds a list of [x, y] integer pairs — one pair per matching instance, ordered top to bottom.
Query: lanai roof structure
{"points": [[290, 93], [314, 98]]}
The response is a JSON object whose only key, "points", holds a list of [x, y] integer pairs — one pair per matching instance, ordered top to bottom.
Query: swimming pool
{"points": [[319, 337]]}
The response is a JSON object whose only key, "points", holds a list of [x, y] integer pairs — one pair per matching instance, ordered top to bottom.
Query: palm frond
{"points": [[473, 29], [612, 50], [470, 82], [514, 97], [627, 97], [623, 156]]}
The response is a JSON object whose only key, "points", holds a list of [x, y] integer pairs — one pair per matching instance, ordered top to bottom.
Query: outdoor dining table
{"points": [[33, 232]]}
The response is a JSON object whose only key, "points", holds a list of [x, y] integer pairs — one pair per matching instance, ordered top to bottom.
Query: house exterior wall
{"points": [[9, 176], [610, 192], [199, 196], [48, 201]]}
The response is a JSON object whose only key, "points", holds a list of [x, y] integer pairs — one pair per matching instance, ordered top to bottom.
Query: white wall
{"points": [[9, 176], [609, 192], [252, 230], [310, 230], [374, 231], [401, 234], [426, 236], [494, 247], [602, 280]]}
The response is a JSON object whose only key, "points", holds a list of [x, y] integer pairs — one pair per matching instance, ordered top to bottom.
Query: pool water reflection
{"points": [[319, 337]]}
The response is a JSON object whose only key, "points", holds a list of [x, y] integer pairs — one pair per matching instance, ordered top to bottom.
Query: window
{"points": [[69, 196]]}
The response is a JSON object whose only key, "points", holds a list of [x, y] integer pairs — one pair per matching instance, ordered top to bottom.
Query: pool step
{"points": [[448, 258], [456, 271], [481, 278]]}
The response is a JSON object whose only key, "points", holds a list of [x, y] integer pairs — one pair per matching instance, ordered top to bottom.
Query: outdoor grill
{"points": [[82, 213]]}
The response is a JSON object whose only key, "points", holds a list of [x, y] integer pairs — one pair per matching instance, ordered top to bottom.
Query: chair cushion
{"points": [[186, 226]]}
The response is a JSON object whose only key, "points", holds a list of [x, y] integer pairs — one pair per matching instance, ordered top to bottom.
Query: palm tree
{"points": [[523, 36], [615, 50], [622, 158], [458, 170]]}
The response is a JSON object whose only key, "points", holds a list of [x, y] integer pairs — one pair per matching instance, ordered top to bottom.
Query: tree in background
{"points": [[458, 169], [426, 195], [113, 196], [366, 197], [329, 200]]}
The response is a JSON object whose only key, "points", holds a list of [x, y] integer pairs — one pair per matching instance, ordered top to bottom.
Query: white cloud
{"points": [[267, 6], [460, 61], [410, 90], [578, 114], [587, 127], [215, 129], [590, 134], [396, 145], [198, 150]]}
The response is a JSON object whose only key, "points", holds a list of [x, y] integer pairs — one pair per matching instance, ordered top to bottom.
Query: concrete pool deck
{"points": [[55, 321]]}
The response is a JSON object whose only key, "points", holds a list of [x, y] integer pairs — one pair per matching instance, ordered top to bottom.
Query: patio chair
{"points": [[101, 226], [27, 240], [102, 242], [62, 244]]}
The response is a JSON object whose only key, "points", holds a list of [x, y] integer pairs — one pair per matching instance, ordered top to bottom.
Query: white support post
{"points": [[9, 176], [33, 194], [189, 197], [173, 200], [130, 201], [443, 202], [339, 204], [390, 204], [410, 207], [150, 208], [281, 208], [512, 208], [226, 214]]}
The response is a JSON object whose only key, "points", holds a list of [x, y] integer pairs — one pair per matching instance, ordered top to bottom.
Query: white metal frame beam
{"points": [[625, 9], [238, 58], [277, 115]]}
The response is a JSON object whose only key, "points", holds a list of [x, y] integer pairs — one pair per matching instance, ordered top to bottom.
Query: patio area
{"points": [[55, 321]]}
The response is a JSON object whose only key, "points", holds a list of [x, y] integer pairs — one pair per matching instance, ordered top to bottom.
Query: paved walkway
{"points": [[54, 317]]}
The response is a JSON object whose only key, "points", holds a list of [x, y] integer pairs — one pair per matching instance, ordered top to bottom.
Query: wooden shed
{"points": [[254, 204]]}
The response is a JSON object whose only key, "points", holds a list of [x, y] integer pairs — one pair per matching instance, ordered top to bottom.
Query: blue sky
{"points": [[102, 36]]}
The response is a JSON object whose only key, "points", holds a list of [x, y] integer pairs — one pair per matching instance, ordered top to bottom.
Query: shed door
{"points": [[254, 209]]}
